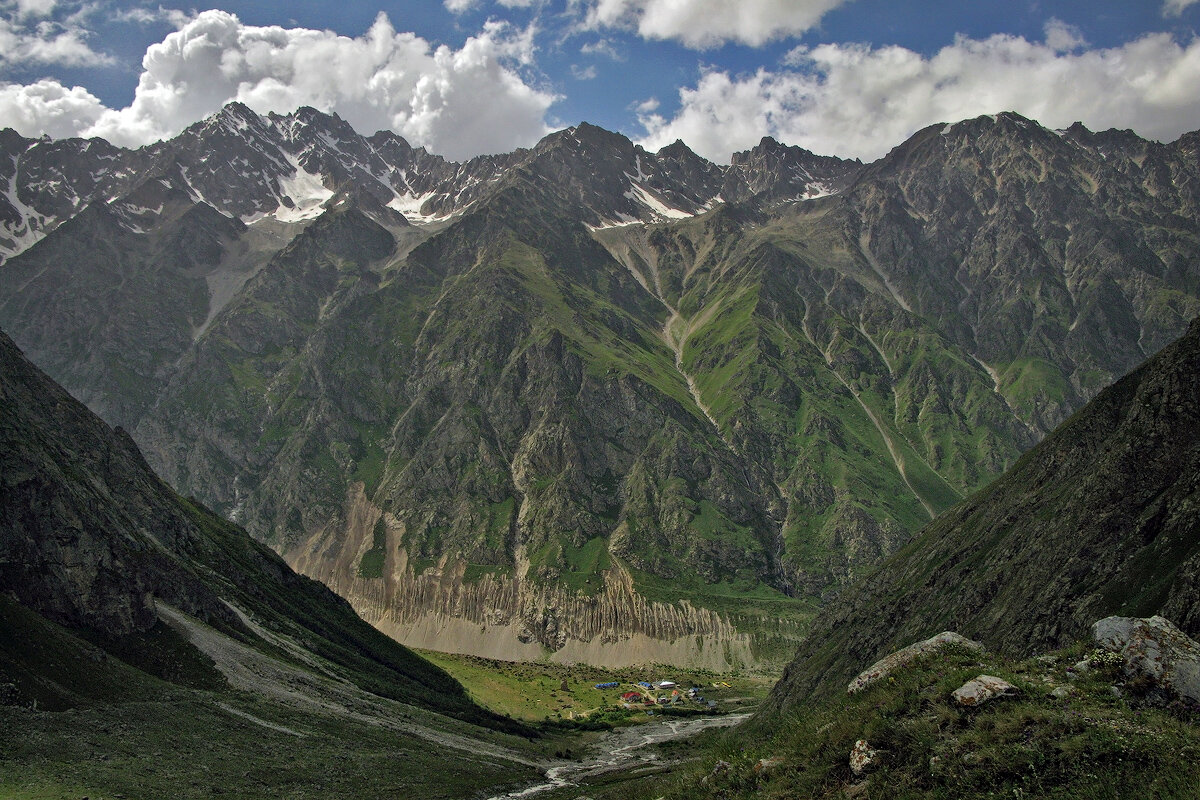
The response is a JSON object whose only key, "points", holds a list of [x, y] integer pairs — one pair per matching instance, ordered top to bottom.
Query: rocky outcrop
{"points": [[498, 614], [1157, 655], [902, 658], [982, 689]]}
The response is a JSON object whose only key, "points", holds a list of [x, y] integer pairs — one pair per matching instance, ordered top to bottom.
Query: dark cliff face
{"points": [[583, 363], [1098, 519], [91, 539]]}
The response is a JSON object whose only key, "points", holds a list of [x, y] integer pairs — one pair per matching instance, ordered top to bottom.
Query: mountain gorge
{"points": [[585, 401]]}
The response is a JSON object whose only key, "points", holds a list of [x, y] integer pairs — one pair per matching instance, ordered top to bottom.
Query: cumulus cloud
{"points": [[1174, 8], [708, 23], [855, 100], [455, 102], [48, 107]]}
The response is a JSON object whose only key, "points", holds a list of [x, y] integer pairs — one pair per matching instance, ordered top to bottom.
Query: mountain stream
{"points": [[623, 749]]}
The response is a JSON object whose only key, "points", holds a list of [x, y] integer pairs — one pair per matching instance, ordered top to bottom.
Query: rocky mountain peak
{"points": [[775, 172]]}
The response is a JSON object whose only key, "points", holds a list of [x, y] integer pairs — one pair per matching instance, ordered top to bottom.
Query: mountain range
{"points": [[584, 401]]}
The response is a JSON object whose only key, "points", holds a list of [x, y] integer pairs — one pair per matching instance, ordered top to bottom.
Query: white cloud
{"points": [[459, 6], [35, 8], [1174, 8], [146, 16], [709, 23], [1063, 38], [47, 42], [602, 47], [584, 73], [854, 100], [455, 102], [647, 106], [48, 107]]}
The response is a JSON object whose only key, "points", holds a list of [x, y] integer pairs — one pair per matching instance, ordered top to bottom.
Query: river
{"points": [[623, 748]]}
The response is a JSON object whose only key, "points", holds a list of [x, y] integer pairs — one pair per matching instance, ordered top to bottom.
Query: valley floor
{"points": [[535, 692], [238, 722]]}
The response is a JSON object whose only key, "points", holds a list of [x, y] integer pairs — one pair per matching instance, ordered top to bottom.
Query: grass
{"points": [[1026, 381], [372, 561], [584, 565], [149, 716], [192, 747]]}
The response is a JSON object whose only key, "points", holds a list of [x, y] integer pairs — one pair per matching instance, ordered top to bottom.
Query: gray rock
{"points": [[1155, 652], [901, 658], [981, 689], [864, 758], [766, 766]]}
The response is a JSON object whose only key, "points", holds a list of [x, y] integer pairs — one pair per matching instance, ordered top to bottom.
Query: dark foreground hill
{"points": [[1098, 519], [146, 645]]}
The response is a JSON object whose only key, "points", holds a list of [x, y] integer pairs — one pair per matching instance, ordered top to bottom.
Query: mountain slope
{"points": [[597, 402], [1098, 519], [95, 542]]}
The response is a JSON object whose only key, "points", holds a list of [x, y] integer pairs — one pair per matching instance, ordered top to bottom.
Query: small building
{"points": [[666, 684]]}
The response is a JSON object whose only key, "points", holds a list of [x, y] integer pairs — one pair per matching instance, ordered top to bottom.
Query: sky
{"points": [[852, 78]]}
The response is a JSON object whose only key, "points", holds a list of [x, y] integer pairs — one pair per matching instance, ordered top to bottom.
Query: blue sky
{"points": [[466, 76]]}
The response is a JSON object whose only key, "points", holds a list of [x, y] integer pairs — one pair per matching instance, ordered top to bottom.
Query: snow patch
{"points": [[818, 189], [307, 193], [640, 195], [409, 205], [622, 221], [26, 233]]}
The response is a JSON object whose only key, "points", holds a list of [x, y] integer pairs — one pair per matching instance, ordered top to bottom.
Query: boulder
{"points": [[1155, 652], [901, 658], [981, 689], [864, 758], [766, 766]]}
